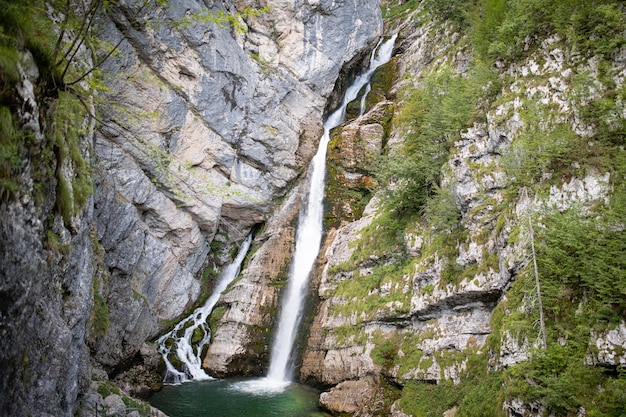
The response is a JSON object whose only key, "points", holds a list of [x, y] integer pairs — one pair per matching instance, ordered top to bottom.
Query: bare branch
{"points": [[87, 23], [57, 46]]}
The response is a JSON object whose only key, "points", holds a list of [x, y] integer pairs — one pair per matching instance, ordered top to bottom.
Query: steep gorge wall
{"points": [[210, 125], [202, 127], [47, 265], [405, 305]]}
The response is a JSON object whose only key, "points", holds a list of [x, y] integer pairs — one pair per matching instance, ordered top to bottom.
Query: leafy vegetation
{"points": [[221, 18], [504, 29], [432, 116], [10, 153], [580, 250], [581, 265], [99, 316]]}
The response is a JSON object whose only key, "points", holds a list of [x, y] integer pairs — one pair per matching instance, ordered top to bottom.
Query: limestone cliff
{"points": [[206, 115], [209, 125], [494, 138], [47, 251], [428, 304]]}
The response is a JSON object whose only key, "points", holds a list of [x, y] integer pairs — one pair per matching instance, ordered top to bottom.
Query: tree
{"points": [[537, 282]]}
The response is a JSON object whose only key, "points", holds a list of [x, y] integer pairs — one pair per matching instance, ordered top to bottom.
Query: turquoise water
{"points": [[236, 398]]}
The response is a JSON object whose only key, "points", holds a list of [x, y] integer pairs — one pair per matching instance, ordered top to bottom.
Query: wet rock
{"points": [[349, 397]]}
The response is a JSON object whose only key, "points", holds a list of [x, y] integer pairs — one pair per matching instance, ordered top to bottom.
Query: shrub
{"points": [[432, 118]]}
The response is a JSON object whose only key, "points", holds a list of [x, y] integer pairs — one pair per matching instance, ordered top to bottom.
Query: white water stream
{"points": [[309, 234], [180, 339]]}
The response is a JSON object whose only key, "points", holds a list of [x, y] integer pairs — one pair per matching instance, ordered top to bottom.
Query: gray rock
{"points": [[207, 127], [45, 288], [114, 405]]}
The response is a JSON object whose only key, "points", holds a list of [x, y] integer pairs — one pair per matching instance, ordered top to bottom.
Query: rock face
{"points": [[209, 125], [202, 128], [45, 283], [248, 307], [375, 324]]}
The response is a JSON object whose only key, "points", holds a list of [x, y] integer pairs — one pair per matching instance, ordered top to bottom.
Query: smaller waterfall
{"points": [[309, 234], [181, 339]]}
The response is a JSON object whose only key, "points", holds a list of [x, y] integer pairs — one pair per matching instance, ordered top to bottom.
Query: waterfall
{"points": [[309, 232], [180, 339]]}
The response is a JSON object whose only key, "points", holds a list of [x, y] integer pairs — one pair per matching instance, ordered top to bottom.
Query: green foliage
{"points": [[393, 9], [454, 11], [221, 18], [486, 18], [24, 25], [504, 28], [507, 29], [66, 118], [432, 118], [542, 146], [10, 153], [408, 179], [442, 211], [383, 238], [53, 242], [581, 257], [588, 257], [582, 268], [364, 294], [99, 320], [385, 349], [564, 384], [484, 397], [429, 400]]}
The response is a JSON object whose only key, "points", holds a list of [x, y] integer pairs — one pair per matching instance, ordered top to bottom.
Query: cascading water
{"points": [[309, 234], [180, 339], [275, 394]]}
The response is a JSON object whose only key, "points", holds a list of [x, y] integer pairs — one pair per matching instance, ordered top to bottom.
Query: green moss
{"points": [[382, 83], [11, 149], [347, 200], [54, 243], [216, 317], [99, 320], [198, 335], [107, 388]]}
